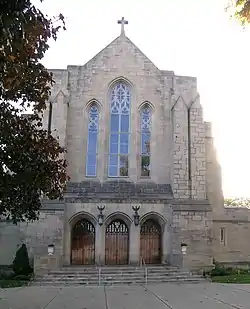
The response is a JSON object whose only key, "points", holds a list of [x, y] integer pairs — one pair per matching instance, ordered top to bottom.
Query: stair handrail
{"points": [[142, 261], [99, 275]]}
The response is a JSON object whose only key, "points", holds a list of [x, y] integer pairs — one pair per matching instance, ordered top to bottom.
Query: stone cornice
{"points": [[117, 200], [53, 205], [190, 205], [233, 221]]}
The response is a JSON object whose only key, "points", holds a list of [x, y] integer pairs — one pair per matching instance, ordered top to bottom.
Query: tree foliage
{"points": [[240, 10], [31, 160], [237, 202]]}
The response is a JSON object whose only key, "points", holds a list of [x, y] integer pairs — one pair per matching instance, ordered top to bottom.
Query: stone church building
{"points": [[144, 178]]}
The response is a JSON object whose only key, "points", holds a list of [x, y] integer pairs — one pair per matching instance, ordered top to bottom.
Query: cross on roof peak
{"points": [[122, 22]]}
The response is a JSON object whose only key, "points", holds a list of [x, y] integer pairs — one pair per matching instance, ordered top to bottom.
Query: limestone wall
{"points": [[120, 59], [78, 86], [213, 174], [180, 181], [236, 224], [193, 228], [37, 236]]}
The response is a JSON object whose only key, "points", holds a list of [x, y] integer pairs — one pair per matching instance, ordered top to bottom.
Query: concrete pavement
{"points": [[174, 296]]}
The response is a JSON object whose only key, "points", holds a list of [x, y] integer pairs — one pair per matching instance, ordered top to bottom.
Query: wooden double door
{"points": [[150, 242], [83, 243], [117, 243]]}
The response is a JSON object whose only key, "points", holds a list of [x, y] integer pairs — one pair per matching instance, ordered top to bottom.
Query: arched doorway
{"points": [[150, 242], [83, 243], [117, 243]]}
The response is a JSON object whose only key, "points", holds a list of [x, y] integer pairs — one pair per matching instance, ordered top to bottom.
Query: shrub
{"points": [[21, 265], [219, 271], [6, 275], [22, 277]]}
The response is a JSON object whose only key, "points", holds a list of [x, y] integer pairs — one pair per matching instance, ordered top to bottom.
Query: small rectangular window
{"points": [[222, 236]]}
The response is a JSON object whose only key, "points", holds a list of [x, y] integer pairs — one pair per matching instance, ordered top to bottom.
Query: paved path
{"points": [[185, 296]]}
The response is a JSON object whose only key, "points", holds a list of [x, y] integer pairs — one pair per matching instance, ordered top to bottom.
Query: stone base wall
{"points": [[189, 222], [236, 224], [192, 225], [37, 236]]}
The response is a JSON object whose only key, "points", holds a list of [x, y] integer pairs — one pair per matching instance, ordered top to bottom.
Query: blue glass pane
{"points": [[114, 123], [125, 123], [114, 138], [124, 138], [145, 140], [92, 142], [114, 148], [124, 149], [91, 159], [113, 160], [91, 171], [113, 171]]}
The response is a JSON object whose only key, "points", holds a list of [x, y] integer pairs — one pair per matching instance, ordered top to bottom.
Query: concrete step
{"points": [[116, 269], [113, 275], [116, 282]]}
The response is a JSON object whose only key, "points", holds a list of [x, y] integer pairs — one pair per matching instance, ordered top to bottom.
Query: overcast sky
{"points": [[195, 38]]}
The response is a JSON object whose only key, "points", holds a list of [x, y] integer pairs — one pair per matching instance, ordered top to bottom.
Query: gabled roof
{"points": [[119, 40]]}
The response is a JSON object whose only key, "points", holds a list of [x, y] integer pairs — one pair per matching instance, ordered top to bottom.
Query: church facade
{"points": [[144, 178]]}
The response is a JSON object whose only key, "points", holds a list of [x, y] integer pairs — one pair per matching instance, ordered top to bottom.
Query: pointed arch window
{"points": [[145, 123], [93, 129], [119, 130]]}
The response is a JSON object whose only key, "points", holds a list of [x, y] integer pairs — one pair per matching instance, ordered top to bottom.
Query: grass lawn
{"points": [[234, 278], [8, 283]]}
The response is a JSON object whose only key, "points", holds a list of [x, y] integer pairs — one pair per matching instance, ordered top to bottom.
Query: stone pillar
{"points": [[59, 117], [180, 149], [197, 150], [67, 242], [100, 244], [134, 244], [166, 246]]}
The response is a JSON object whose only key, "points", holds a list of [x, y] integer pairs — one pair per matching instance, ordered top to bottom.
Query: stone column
{"points": [[67, 243], [134, 244], [100, 245], [166, 246]]}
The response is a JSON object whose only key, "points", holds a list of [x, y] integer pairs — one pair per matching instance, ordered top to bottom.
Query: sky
{"points": [[192, 38]]}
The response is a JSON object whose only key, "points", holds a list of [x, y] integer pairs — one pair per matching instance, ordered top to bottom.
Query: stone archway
{"points": [[151, 241], [83, 243], [117, 243]]}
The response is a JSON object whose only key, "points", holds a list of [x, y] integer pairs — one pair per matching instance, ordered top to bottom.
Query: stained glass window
{"points": [[145, 121], [93, 128], [119, 131]]}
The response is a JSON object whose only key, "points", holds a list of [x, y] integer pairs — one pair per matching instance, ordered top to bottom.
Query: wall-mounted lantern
{"points": [[100, 215], [136, 215], [51, 249], [184, 249]]}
